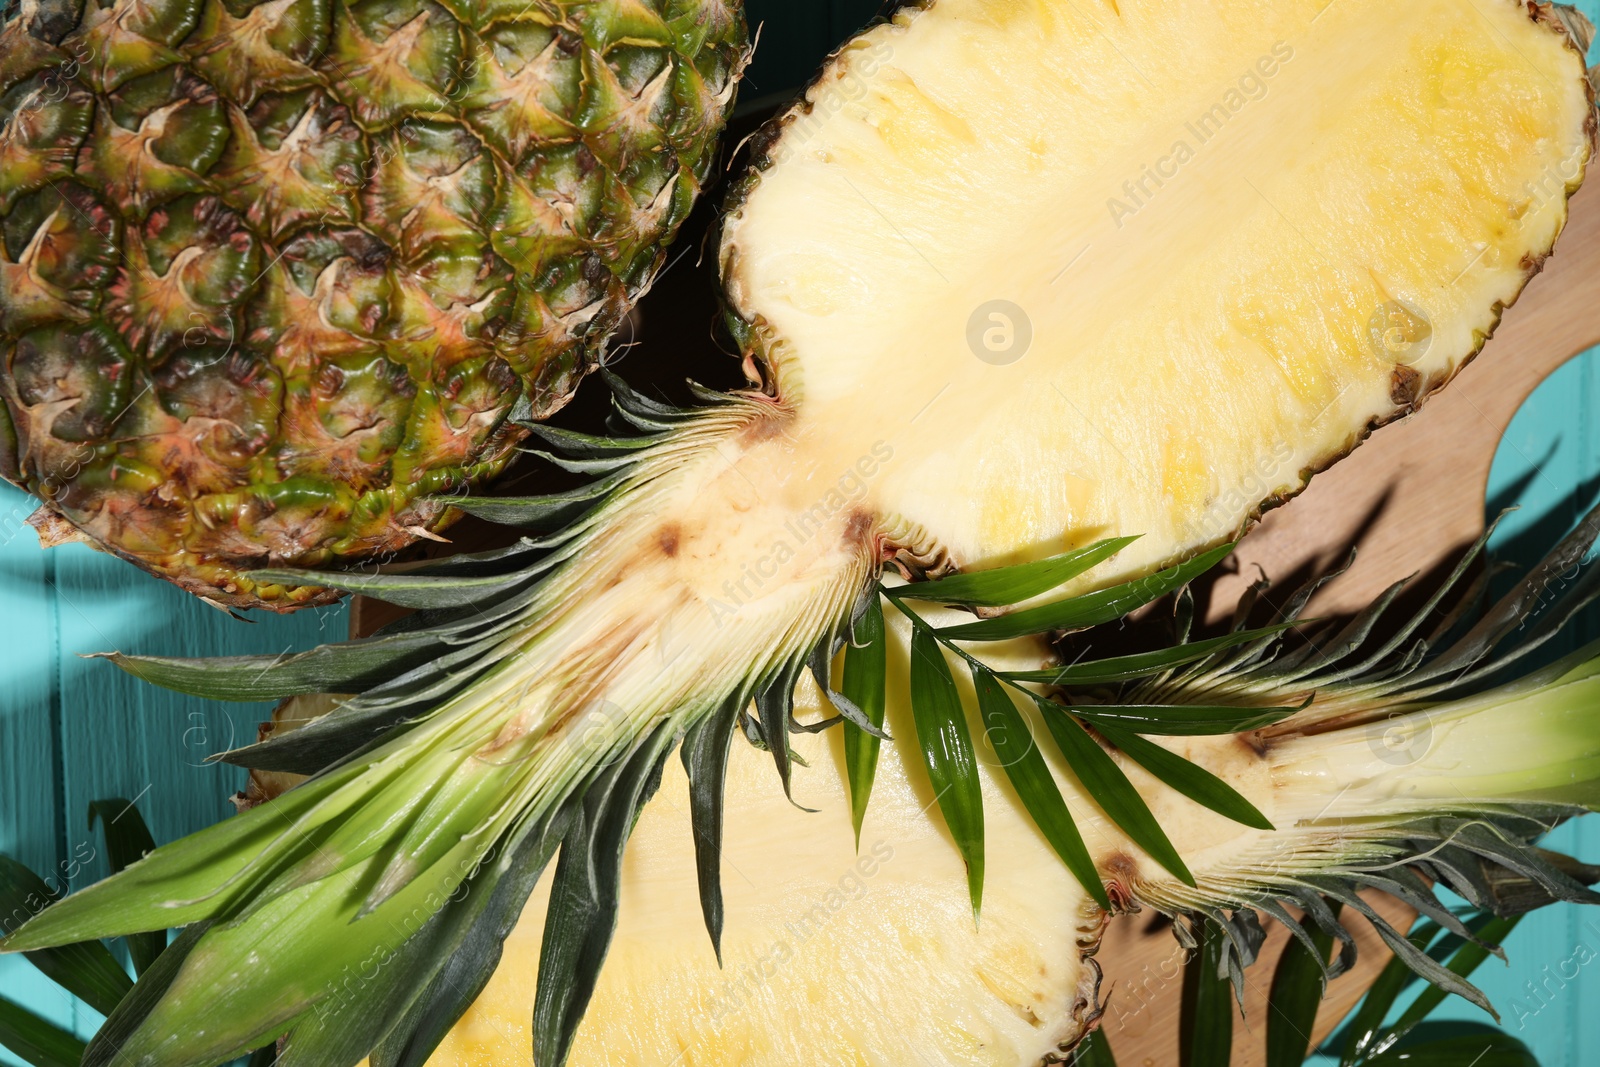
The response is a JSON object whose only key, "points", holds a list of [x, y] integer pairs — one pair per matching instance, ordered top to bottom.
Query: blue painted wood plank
{"points": [[74, 730]]}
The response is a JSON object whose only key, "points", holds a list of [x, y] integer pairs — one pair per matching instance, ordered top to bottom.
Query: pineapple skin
{"points": [[274, 275]]}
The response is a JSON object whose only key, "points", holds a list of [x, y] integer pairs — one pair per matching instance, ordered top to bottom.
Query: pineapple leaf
{"points": [[629, 399], [587, 446], [577, 465], [540, 512], [1004, 586], [424, 591], [1090, 609], [820, 663], [1140, 664], [347, 667], [865, 684], [775, 704], [1180, 720], [1007, 731], [946, 746], [705, 761], [1186, 776], [1111, 789], [128, 841], [190, 879], [582, 914], [1486, 931], [463, 961], [1420, 962], [85, 969], [1297, 988], [401, 1008], [1205, 1022], [1366, 1024], [36, 1041], [105, 1049]]}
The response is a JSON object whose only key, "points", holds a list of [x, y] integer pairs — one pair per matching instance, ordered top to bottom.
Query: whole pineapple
{"points": [[273, 275]]}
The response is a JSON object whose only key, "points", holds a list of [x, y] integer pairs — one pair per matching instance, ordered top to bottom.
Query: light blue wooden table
{"points": [[75, 730]]}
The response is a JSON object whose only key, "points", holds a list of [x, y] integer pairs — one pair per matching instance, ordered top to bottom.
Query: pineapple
{"points": [[275, 274], [1043, 302]]}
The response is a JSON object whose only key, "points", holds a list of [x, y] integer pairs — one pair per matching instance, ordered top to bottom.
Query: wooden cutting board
{"points": [[1409, 498]]}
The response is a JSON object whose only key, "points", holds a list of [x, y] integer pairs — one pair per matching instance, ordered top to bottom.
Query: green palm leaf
{"points": [[1004, 586], [1091, 609], [1013, 743], [947, 753], [1111, 789]]}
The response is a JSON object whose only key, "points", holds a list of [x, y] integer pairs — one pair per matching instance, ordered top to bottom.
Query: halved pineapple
{"points": [[1136, 267]]}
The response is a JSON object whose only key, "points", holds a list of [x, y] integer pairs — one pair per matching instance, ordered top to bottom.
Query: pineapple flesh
{"points": [[1110, 268], [273, 275], [994, 312]]}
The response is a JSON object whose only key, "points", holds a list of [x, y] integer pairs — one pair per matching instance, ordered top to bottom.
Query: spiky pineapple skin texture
{"points": [[274, 275]]}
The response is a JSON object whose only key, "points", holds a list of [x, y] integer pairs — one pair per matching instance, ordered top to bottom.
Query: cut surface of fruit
{"points": [[1141, 267], [274, 274], [879, 947]]}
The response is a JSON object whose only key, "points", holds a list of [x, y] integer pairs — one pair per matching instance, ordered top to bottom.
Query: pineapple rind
{"points": [[274, 274]]}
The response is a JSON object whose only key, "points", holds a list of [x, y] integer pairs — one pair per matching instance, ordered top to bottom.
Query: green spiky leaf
{"points": [[587, 446], [540, 512], [1004, 586], [423, 591], [1090, 609], [348, 667], [1117, 669], [865, 684], [775, 705], [1181, 720], [1008, 734], [947, 753], [705, 761], [1117, 797], [128, 841], [582, 914], [1465, 960], [86, 969], [425, 986], [1297, 988], [136, 1007], [1205, 1022], [1366, 1025], [36, 1040]]}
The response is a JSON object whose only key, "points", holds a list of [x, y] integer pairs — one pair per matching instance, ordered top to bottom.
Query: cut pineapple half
{"points": [[1105, 268], [830, 956]]}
